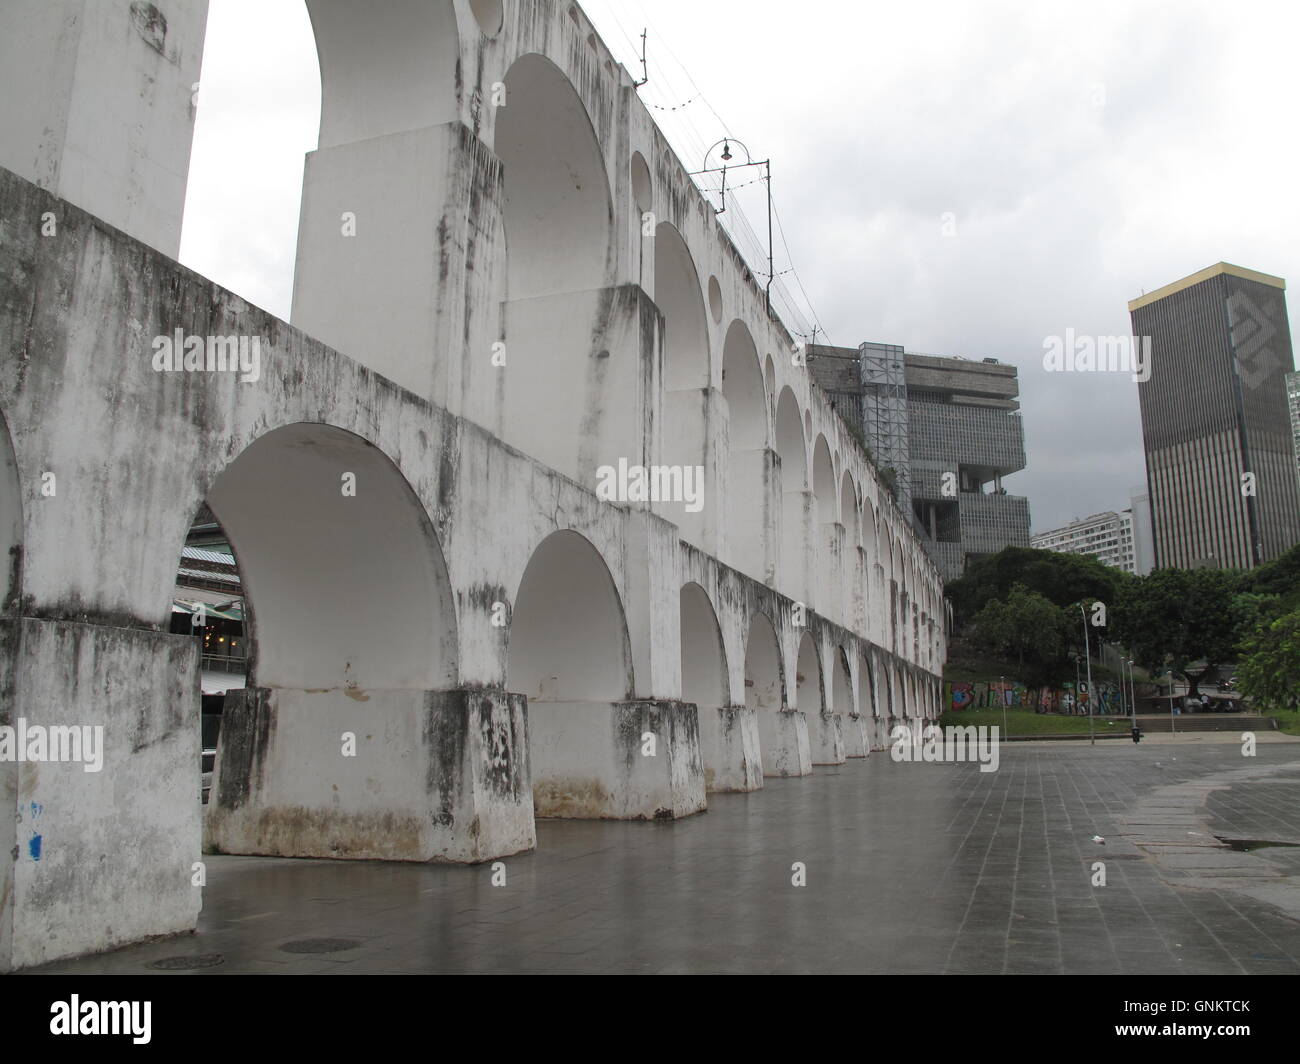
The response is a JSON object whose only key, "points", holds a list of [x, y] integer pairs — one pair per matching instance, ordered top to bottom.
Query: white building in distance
{"points": [[1112, 538]]}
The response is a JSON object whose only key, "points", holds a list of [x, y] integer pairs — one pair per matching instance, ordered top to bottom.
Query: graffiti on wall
{"points": [[1103, 698]]}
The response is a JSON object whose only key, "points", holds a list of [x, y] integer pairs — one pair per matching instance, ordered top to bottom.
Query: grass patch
{"points": [[1288, 720], [1021, 722]]}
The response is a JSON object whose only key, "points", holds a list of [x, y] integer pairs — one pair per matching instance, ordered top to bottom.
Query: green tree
{"points": [[1279, 578], [1062, 579], [1181, 619], [1025, 626], [1269, 669]]}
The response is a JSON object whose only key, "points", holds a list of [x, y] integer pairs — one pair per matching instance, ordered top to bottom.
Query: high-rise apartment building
{"points": [[950, 429], [1218, 438], [1112, 538]]}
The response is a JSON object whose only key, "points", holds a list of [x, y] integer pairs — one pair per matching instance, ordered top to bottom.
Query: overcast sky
{"points": [[1088, 151]]}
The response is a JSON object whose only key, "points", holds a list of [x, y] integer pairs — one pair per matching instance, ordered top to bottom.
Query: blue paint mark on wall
{"points": [[35, 847]]}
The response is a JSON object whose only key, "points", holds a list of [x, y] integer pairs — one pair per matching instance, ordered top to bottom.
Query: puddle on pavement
{"points": [[1247, 845]]}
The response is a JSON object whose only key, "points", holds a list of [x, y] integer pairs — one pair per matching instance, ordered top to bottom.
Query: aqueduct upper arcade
{"points": [[506, 283]]}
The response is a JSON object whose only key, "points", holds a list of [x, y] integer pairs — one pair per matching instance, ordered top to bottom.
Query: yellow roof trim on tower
{"points": [[1205, 275]]}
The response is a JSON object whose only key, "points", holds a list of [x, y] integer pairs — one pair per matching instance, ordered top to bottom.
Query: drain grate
{"points": [[320, 945], [187, 964]]}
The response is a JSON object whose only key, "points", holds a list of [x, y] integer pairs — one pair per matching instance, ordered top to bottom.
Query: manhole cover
{"points": [[320, 945], [184, 964]]}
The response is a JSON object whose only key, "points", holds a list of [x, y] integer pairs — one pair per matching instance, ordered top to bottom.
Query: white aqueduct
{"points": [[533, 291]]}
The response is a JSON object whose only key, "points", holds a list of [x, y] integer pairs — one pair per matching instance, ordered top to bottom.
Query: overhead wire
{"points": [[664, 95]]}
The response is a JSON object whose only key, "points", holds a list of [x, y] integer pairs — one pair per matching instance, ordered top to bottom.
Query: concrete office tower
{"points": [[951, 428], [1220, 460], [1144, 544]]}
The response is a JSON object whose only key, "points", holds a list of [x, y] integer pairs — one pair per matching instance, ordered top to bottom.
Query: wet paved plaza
{"points": [[910, 868]]}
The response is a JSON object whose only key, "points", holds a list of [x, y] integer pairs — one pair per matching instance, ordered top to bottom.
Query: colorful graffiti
{"points": [[994, 694]]}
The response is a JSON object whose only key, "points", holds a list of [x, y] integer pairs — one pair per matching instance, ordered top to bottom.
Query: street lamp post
{"points": [[1002, 695], [1173, 701], [1092, 737]]}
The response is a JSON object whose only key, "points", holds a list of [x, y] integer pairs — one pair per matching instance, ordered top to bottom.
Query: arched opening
{"points": [[488, 14], [252, 55], [642, 185], [376, 204], [558, 212], [686, 377], [567, 399], [791, 448], [747, 471], [824, 482], [829, 538], [341, 564], [853, 574], [348, 622], [568, 637], [569, 654], [704, 661], [809, 677], [764, 688], [868, 702], [852, 725], [728, 734], [783, 735]]}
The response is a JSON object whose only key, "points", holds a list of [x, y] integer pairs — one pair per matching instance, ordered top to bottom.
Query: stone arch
{"points": [[558, 209], [680, 299], [686, 375], [743, 389], [558, 395], [792, 449], [824, 482], [849, 510], [327, 610], [350, 631], [568, 639], [569, 653], [704, 658], [764, 673], [808, 677], [842, 685], [853, 723], [729, 745]]}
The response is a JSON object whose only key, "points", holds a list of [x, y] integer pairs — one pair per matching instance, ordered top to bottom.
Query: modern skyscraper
{"points": [[951, 430], [1220, 461]]}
